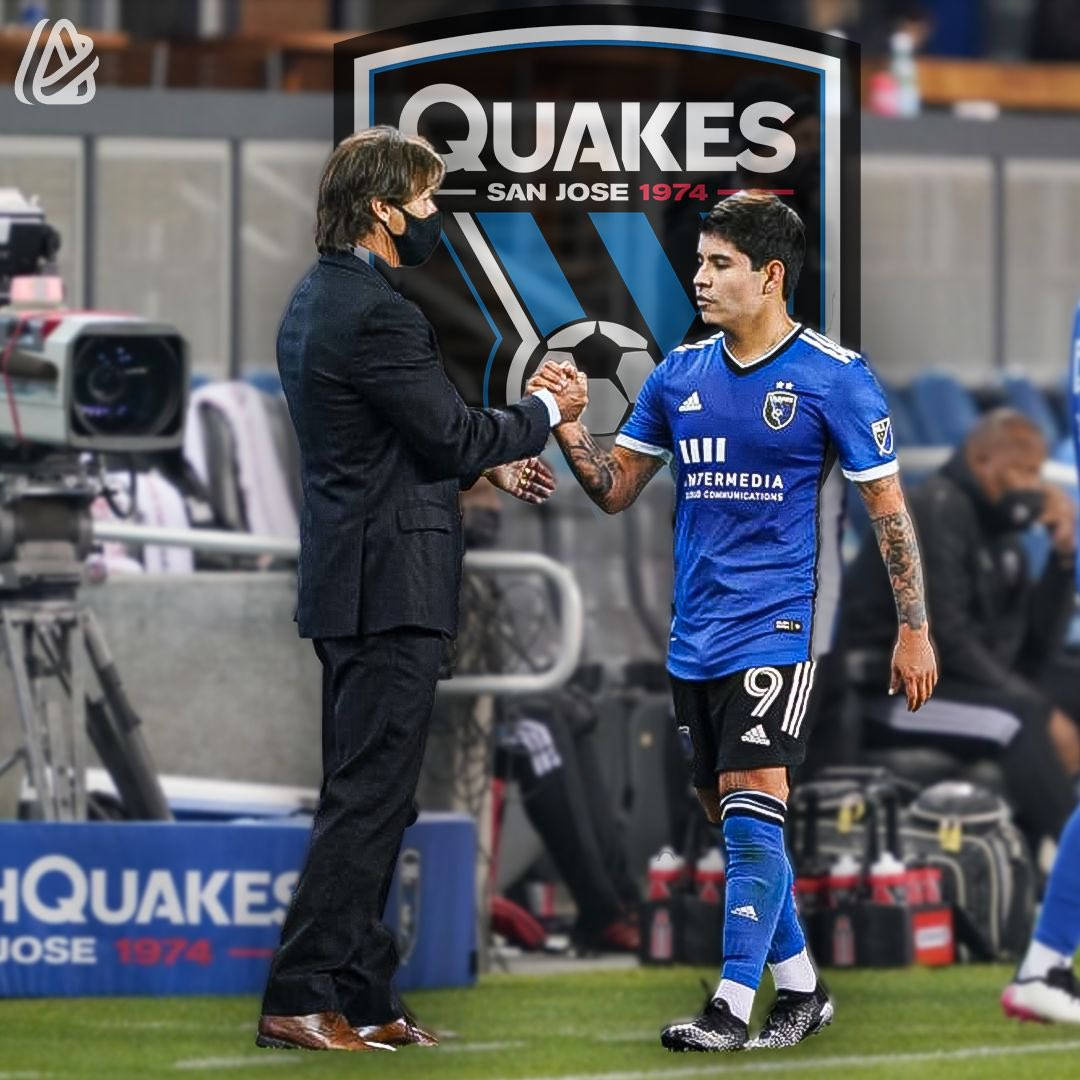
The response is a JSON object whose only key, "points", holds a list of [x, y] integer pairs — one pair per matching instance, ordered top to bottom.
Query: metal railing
{"points": [[571, 617]]}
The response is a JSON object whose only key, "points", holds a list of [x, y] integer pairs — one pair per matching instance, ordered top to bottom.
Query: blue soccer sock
{"points": [[757, 878], [1057, 933], [788, 959]]}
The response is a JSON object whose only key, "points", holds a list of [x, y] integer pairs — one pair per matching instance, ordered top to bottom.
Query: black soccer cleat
{"points": [[795, 1016], [714, 1029]]}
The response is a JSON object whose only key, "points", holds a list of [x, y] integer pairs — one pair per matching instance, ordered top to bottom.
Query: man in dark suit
{"points": [[386, 445]]}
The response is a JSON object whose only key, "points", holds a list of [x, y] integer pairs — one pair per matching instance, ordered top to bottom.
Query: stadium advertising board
{"points": [[582, 146], [164, 908]]}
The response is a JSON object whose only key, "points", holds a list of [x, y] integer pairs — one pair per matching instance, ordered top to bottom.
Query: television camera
{"points": [[74, 386]]}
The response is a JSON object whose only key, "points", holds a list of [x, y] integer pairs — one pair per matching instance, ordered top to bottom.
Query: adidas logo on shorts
{"points": [[757, 736], [746, 911]]}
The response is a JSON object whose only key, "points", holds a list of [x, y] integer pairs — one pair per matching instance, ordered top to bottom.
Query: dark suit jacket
{"points": [[385, 443]]}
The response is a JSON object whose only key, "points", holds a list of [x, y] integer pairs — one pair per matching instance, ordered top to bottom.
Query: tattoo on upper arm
{"points": [[900, 550]]}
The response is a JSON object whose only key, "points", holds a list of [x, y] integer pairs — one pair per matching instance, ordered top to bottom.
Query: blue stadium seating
{"points": [[267, 381], [1022, 394], [944, 410], [905, 426]]}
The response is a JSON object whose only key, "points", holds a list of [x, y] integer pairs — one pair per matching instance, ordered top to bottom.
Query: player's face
{"points": [[726, 288]]}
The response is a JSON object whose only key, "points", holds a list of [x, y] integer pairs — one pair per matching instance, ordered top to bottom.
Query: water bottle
{"points": [[904, 73], [666, 872], [709, 877], [844, 878], [888, 880], [661, 936]]}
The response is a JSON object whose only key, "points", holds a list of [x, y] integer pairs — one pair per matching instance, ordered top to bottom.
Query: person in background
{"points": [[1003, 691]]}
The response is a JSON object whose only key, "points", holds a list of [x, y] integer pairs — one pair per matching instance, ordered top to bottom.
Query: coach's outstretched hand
{"points": [[570, 387], [530, 480]]}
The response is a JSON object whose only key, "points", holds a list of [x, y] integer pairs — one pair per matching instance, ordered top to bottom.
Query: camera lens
{"points": [[125, 384]]}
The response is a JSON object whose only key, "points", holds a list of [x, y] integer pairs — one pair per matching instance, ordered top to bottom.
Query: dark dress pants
{"points": [[335, 955]]}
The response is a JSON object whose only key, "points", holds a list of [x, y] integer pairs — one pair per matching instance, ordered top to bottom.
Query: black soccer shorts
{"points": [[752, 719]]}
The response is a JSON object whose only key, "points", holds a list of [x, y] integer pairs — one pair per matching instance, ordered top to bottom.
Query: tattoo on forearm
{"points": [[594, 467], [900, 550]]}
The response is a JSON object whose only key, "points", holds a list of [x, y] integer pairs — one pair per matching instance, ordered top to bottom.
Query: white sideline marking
{"points": [[160, 1025], [480, 1047], [255, 1060], [249, 1061], [851, 1061]]}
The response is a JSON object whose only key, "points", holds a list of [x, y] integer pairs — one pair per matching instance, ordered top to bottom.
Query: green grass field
{"points": [[597, 1026]]}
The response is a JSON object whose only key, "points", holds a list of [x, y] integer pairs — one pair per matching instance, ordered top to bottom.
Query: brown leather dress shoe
{"points": [[315, 1031], [404, 1031]]}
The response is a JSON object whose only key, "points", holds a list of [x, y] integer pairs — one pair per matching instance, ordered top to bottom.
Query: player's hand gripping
{"points": [[570, 387], [530, 479], [914, 666]]}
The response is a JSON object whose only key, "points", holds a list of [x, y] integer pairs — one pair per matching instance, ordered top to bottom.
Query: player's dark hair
{"points": [[377, 163], [763, 228]]}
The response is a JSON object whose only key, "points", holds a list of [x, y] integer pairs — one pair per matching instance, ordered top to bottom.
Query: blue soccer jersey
{"points": [[751, 448]]}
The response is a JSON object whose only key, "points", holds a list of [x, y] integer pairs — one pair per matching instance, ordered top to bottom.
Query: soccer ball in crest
{"points": [[616, 360]]}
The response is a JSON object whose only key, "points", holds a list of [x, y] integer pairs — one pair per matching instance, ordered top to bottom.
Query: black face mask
{"points": [[420, 238], [1019, 509]]}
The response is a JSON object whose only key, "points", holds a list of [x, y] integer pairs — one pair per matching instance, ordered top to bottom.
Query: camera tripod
{"points": [[52, 642]]}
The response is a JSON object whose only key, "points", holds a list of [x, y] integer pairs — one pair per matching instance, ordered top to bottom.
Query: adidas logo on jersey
{"points": [[692, 403], [757, 736], [746, 911]]}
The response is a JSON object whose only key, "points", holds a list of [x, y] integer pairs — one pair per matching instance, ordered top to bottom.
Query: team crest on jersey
{"points": [[779, 408], [882, 430]]}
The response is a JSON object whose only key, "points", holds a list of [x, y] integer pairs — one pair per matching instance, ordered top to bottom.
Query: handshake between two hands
{"points": [[569, 386], [531, 479]]}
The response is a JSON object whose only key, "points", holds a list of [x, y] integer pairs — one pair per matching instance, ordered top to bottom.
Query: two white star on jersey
{"points": [[781, 385]]}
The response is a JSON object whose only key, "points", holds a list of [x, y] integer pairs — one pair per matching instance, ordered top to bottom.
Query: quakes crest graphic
{"points": [[584, 146]]}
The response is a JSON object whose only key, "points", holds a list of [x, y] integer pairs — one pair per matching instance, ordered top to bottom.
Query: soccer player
{"points": [[751, 421], [1045, 987]]}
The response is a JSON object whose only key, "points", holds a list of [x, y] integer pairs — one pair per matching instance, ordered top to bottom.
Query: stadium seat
{"points": [[269, 382], [1022, 394], [945, 410], [905, 427], [232, 444]]}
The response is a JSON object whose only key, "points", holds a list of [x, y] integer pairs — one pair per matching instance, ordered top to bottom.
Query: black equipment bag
{"points": [[831, 814], [987, 872]]}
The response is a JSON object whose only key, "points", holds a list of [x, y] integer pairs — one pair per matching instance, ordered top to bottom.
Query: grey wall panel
{"points": [[53, 170], [279, 185], [163, 238], [928, 265], [1042, 268], [213, 665]]}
